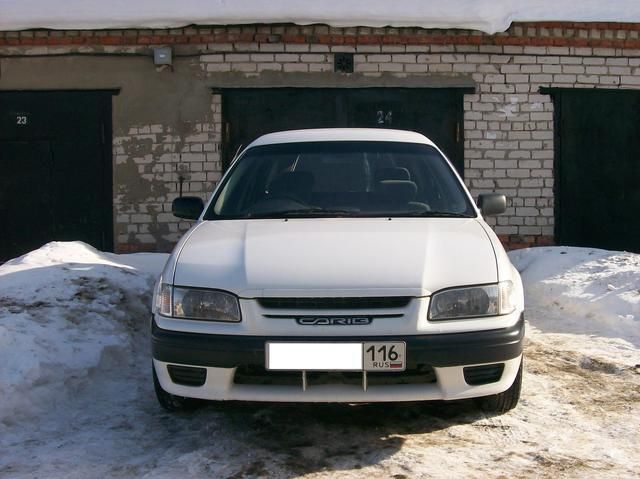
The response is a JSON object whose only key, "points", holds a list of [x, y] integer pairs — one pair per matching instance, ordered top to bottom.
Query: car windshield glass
{"points": [[338, 179]]}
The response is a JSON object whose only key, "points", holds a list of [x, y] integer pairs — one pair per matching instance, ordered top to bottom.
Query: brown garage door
{"points": [[434, 112], [55, 157], [597, 168]]}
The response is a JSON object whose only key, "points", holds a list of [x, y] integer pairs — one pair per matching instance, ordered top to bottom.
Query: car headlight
{"points": [[473, 302], [196, 303]]}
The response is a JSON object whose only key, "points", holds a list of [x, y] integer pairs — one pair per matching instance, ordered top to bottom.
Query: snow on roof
{"points": [[489, 16]]}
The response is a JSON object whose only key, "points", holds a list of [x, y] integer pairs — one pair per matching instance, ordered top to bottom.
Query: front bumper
{"points": [[438, 350], [447, 354]]}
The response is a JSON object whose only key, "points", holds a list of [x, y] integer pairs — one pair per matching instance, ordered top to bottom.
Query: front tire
{"points": [[167, 400], [505, 401]]}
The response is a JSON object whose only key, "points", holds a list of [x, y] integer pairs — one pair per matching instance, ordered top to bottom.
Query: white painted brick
{"points": [[271, 47], [294, 47], [319, 48], [368, 48], [393, 48], [237, 57], [262, 57], [287, 57], [217, 58], [313, 58], [378, 58], [406, 58], [472, 58], [428, 59], [499, 59], [548, 60], [577, 60], [618, 61], [218, 67], [269, 67], [296, 67], [320, 67], [366, 67], [391, 67], [440, 68], [464, 68], [531, 68], [510, 69], [551, 69], [572, 69], [517, 78], [494, 79], [588, 79], [609, 80], [630, 80], [502, 88], [519, 154], [481, 164], [490, 173], [516, 173], [507, 183], [506, 230]]}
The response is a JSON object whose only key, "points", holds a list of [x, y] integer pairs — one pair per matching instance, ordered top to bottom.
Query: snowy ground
{"points": [[76, 399]]}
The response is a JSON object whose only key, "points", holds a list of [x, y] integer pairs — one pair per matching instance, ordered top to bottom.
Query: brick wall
{"points": [[508, 123], [190, 162]]}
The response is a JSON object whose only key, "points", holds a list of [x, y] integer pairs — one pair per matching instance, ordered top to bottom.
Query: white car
{"points": [[339, 265]]}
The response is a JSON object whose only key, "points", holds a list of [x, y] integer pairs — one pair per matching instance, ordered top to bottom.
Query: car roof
{"points": [[341, 134]]}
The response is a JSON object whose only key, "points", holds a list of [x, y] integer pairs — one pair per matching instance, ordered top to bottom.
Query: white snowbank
{"points": [[485, 15], [582, 290], [61, 307], [76, 396]]}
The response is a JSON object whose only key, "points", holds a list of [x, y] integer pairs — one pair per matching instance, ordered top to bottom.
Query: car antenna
{"points": [[235, 156]]}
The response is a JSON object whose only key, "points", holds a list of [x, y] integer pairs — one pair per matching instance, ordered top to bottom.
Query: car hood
{"points": [[336, 256]]}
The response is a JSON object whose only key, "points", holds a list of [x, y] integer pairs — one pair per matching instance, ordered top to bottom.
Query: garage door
{"points": [[434, 112], [55, 157], [598, 168]]}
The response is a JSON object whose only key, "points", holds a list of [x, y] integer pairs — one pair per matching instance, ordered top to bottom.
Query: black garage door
{"points": [[434, 112], [55, 161], [598, 168]]}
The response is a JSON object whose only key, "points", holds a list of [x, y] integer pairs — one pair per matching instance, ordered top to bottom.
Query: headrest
{"points": [[392, 173], [292, 182], [398, 191]]}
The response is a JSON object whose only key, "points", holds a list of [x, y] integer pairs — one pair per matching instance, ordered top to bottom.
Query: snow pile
{"points": [[485, 15], [582, 291], [63, 308], [76, 395]]}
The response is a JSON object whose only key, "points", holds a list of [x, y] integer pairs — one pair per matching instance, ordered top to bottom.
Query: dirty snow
{"points": [[485, 15], [76, 399]]}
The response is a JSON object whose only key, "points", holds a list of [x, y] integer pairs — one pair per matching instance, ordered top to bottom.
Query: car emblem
{"points": [[334, 320]]}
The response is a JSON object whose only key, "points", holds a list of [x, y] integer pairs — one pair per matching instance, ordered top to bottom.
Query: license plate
{"points": [[369, 356], [384, 356]]}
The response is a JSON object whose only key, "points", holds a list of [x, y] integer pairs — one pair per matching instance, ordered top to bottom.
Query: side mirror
{"points": [[492, 204], [187, 207]]}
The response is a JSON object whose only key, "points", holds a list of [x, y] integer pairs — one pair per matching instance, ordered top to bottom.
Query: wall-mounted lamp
{"points": [[162, 56]]}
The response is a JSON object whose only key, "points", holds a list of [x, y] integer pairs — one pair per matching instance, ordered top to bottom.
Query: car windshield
{"points": [[340, 178]]}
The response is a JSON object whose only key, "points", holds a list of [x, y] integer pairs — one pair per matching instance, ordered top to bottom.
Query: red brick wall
{"points": [[595, 35]]}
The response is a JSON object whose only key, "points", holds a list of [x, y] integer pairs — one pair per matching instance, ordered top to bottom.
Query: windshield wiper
{"points": [[302, 212], [438, 214]]}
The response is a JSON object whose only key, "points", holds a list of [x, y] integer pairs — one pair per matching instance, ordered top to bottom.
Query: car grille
{"points": [[335, 303], [258, 375]]}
